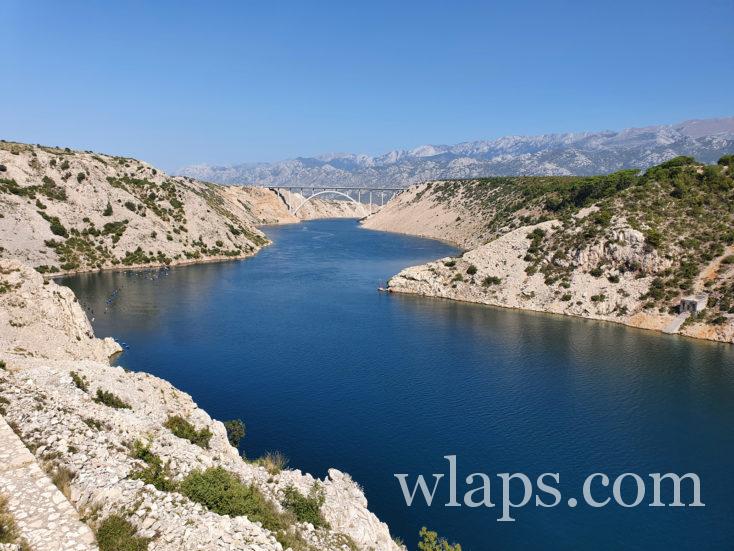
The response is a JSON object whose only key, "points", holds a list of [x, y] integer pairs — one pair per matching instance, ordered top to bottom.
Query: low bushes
{"points": [[55, 225], [491, 280], [80, 381], [109, 399], [183, 429], [235, 431], [154, 472], [223, 493], [306, 508], [115, 533], [430, 541]]}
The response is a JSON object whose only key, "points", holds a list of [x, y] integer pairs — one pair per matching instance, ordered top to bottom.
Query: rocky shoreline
{"points": [[66, 212], [592, 264], [54, 370]]}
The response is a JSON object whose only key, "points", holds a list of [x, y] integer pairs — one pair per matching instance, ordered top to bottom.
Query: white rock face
{"points": [[114, 212], [415, 212], [606, 274], [586, 296], [44, 320], [44, 337]]}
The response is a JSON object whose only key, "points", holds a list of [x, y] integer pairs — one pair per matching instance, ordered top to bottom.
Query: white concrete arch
{"points": [[352, 199]]}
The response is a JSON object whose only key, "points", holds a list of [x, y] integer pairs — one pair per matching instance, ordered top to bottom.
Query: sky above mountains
{"points": [[178, 83]]}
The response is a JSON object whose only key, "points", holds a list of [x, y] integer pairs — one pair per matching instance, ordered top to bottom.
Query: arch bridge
{"points": [[369, 199]]}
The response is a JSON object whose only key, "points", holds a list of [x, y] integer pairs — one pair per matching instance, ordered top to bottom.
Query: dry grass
{"points": [[274, 462], [62, 478], [8, 529], [9, 532]]}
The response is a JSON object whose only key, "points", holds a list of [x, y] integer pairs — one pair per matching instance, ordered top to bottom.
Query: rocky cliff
{"points": [[69, 211], [626, 247], [106, 436]]}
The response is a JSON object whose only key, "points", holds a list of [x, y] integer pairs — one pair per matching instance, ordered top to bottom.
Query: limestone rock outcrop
{"points": [[53, 366]]}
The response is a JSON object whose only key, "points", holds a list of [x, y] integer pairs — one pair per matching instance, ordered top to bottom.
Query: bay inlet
{"points": [[298, 343]]}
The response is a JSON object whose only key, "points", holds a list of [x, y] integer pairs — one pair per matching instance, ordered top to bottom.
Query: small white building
{"points": [[693, 303]]}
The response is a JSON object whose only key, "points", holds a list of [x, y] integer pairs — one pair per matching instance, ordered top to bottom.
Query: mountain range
{"points": [[577, 153]]}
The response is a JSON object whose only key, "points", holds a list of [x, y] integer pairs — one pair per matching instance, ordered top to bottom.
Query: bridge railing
{"points": [[349, 193]]}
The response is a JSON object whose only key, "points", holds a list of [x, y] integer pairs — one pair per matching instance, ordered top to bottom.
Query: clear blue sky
{"points": [[177, 83]]}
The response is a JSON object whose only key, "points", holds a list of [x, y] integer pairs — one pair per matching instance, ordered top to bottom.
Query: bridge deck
{"points": [[339, 188]]}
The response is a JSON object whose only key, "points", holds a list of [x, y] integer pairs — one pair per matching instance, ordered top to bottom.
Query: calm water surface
{"points": [[297, 342]]}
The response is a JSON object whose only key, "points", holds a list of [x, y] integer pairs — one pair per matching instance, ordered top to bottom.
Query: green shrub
{"points": [[681, 160], [81, 177], [108, 210], [57, 228], [115, 229], [654, 238], [728, 259], [450, 263], [471, 270], [596, 272], [458, 277], [491, 280], [566, 297], [598, 298], [80, 381], [109, 399], [94, 423], [183, 429], [235, 431], [155, 472], [224, 493], [306, 508], [115, 533], [430, 541]]}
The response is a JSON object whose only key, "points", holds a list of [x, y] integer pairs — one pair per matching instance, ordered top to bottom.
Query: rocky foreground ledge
{"points": [[102, 434]]}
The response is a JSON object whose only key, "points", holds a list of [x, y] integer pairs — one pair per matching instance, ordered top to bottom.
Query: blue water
{"points": [[297, 342]]}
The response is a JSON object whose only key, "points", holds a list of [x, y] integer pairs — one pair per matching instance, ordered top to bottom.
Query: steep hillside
{"points": [[579, 153], [64, 210], [68, 211], [624, 247], [130, 447]]}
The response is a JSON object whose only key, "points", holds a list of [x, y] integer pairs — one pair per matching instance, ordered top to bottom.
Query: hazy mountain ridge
{"points": [[578, 153]]}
